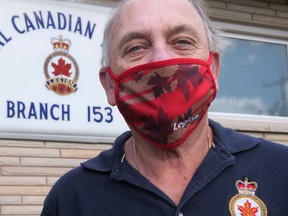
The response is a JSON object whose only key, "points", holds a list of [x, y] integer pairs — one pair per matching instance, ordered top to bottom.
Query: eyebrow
{"points": [[183, 29], [171, 31]]}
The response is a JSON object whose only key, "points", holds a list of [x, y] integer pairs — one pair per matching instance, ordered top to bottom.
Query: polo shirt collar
{"points": [[234, 142], [105, 161]]}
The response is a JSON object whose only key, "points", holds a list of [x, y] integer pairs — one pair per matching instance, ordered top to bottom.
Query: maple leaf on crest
{"points": [[61, 68], [186, 74], [159, 84], [247, 209]]}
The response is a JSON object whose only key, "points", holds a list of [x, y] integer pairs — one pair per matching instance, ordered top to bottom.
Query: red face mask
{"points": [[164, 101]]}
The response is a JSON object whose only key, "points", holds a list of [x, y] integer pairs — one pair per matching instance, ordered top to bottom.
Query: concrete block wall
{"points": [[29, 168]]}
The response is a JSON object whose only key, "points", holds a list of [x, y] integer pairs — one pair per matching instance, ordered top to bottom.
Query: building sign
{"points": [[49, 61]]}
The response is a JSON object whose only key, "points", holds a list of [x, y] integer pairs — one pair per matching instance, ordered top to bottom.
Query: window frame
{"points": [[247, 122]]}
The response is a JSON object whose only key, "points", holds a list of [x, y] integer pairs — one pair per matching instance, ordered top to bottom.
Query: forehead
{"points": [[142, 5], [156, 15]]}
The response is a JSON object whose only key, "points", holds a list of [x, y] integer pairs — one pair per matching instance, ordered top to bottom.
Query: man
{"points": [[160, 67]]}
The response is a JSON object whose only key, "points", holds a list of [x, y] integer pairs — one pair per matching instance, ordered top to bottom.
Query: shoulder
{"points": [[272, 151], [95, 169], [67, 182], [61, 191]]}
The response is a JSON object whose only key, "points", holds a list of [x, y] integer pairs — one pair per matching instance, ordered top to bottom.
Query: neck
{"points": [[164, 167]]}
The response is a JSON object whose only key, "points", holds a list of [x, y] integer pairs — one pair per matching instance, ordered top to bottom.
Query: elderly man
{"points": [[160, 67]]}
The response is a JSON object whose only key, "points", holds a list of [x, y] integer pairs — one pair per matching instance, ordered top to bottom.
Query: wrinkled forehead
{"points": [[175, 2], [132, 8], [142, 13]]}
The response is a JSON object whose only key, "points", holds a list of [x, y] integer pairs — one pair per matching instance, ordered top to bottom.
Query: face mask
{"points": [[165, 101]]}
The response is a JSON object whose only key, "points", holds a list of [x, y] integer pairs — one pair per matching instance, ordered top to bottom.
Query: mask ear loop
{"points": [[210, 59], [209, 62], [112, 75], [116, 84]]}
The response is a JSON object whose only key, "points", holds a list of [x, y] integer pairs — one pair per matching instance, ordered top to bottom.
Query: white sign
{"points": [[49, 61]]}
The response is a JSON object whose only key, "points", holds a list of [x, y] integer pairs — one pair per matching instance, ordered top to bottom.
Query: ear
{"points": [[215, 67], [108, 86]]}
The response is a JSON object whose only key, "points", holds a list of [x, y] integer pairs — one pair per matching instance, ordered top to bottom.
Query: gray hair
{"points": [[215, 39]]}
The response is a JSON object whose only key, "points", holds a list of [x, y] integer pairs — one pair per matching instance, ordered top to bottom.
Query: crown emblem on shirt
{"points": [[61, 44], [246, 187], [246, 203]]}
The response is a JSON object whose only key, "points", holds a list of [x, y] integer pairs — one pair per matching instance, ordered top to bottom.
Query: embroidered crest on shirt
{"points": [[245, 203]]}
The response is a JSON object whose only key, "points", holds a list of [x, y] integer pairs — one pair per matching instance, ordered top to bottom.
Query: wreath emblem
{"points": [[61, 69], [245, 203]]}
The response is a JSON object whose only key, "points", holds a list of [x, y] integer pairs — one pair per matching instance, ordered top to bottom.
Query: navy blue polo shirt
{"points": [[240, 174]]}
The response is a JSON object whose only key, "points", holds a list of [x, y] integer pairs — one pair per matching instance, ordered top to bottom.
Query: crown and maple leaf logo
{"points": [[61, 70], [246, 203]]}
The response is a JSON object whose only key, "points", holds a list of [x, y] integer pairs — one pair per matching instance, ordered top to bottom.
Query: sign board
{"points": [[50, 55]]}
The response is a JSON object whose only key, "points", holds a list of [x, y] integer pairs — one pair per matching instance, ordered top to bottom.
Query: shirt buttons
{"points": [[180, 214]]}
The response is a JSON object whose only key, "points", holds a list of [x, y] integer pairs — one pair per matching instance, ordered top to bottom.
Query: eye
{"points": [[183, 42], [134, 49]]}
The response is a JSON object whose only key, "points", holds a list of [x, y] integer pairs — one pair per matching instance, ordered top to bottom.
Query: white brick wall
{"points": [[28, 169]]}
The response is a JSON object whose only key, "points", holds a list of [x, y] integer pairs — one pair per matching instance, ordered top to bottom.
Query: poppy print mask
{"points": [[164, 101]]}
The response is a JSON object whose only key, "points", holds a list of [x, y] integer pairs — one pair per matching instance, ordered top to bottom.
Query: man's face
{"points": [[154, 30]]}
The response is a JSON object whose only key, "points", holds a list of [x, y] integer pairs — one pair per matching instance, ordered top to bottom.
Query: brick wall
{"points": [[266, 13], [28, 168]]}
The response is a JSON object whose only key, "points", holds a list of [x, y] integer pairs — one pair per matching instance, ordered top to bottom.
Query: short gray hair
{"points": [[215, 39]]}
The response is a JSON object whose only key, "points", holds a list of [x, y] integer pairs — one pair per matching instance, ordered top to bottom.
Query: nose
{"points": [[161, 52]]}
